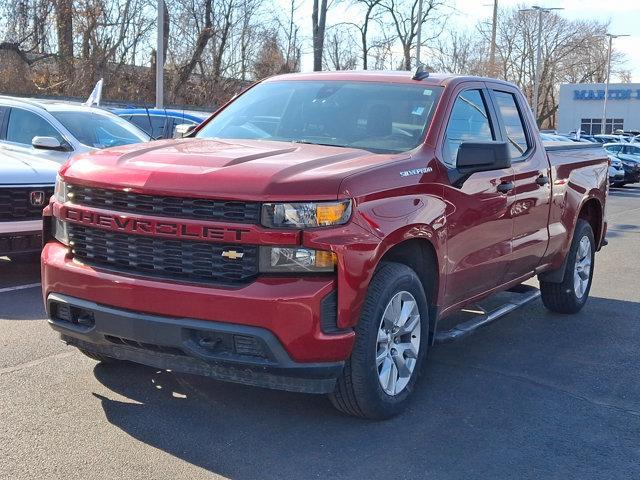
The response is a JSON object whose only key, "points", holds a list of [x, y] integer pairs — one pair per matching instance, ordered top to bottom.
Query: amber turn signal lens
{"points": [[330, 214], [325, 259]]}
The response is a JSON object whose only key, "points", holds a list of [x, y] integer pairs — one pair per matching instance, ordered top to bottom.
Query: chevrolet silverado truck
{"points": [[26, 184], [317, 233]]}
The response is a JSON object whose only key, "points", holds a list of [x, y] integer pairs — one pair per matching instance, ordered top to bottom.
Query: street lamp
{"points": [[418, 34], [160, 57], [536, 81], [606, 86]]}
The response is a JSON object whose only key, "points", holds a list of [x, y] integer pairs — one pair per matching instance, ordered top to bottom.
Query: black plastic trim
{"points": [[275, 370]]}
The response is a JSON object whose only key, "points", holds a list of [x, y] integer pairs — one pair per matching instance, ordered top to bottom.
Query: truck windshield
{"points": [[379, 117], [98, 130]]}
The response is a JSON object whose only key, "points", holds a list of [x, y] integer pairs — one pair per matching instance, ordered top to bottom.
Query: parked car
{"points": [[160, 123], [56, 131], [554, 137], [602, 138], [628, 155], [616, 172], [26, 184], [313, 234]]}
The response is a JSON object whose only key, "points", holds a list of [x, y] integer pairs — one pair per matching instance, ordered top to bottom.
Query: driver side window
{"points": [[469, 122], [24, 125]]}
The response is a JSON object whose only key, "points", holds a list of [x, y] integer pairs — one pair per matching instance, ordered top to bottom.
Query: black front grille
{"points": [[17, 203], [177, 207], [165, 258]]}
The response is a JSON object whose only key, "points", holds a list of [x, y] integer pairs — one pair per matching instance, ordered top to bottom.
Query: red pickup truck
{"points": [[313, 233]]}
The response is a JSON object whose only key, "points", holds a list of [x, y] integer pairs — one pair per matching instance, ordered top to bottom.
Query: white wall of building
{"points": [[586, 100]]}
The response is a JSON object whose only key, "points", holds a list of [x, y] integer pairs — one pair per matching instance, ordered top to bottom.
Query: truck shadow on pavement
{"points": [[536, 395]]}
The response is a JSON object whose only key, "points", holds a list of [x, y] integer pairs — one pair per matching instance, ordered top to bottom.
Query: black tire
{"points": [[618, 184], [562, 297], [99, 357], [358, 391]]}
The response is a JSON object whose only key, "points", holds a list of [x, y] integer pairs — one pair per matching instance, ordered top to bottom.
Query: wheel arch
{"points": [[592, 212], [420, 255]]}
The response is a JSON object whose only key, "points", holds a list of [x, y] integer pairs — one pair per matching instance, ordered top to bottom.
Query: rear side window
{"points": [[512, 121], [469, 122], [24, 125], [152, 125], [613, 148]]}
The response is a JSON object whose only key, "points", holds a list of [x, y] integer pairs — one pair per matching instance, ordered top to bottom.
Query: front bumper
{"points": [[20, 237], [293, 309], [234, 353]]}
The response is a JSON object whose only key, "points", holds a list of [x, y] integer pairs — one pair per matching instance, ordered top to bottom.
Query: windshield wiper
{"points": [[306, 142]]}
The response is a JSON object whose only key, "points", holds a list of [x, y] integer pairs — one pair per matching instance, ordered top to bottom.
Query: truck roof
{"points": [[389, 76]]}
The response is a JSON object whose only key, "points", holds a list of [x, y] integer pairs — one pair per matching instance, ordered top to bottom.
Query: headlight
{"points": [[61, 192], [305, 215], [60, 231], [283, 260]]}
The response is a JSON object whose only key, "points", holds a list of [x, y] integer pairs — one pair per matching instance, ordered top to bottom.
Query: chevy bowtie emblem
{"points": [[36, 198], [232, 254]]}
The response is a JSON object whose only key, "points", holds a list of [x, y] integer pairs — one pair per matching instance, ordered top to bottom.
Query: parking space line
{"points": [[19, 287]]}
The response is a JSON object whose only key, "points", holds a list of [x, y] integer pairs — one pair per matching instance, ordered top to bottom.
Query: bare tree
{"points": [[369, 15], [404, 16], [319, 20], [64, 27], [204, 35], [338, 51]]}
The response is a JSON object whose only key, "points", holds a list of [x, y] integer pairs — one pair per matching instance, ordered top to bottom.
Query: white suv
{"points": [[56, 131], [26, 184]]}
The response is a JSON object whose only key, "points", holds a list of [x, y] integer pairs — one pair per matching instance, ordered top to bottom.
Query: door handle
{"points": [[542, 180], [505, 187]]}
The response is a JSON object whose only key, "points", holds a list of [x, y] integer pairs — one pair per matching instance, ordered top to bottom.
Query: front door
{"points": [[20, 128], [479, 228]]}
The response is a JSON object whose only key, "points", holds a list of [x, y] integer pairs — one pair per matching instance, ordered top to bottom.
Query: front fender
{"points": [[373, 231]]}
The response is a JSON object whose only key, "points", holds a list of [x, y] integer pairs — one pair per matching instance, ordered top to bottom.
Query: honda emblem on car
{"points": [[36, 198], [232, 254]]}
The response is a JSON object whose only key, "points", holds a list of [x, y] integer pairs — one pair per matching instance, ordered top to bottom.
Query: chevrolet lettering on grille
{"points": [[154, 227]]}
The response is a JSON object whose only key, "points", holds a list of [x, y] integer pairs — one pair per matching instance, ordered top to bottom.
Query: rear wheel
{"points": [[570, 295], [391, 345]]}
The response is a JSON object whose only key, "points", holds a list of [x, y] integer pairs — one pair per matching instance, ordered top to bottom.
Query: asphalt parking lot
{"points": [[536, 395]]}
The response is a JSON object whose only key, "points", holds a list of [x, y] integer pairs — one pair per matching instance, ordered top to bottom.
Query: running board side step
{"points": [[526, 294]]}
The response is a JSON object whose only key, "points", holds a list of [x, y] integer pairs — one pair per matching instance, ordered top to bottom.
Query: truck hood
{"points": [[16, 169], [226, 169]]}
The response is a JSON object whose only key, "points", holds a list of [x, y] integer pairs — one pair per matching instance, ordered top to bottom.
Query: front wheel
{"points": [[570, 295], [390, 348]]}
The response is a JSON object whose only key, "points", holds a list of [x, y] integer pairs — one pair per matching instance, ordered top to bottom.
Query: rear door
{"points": [[529, 201], [479, 228]]}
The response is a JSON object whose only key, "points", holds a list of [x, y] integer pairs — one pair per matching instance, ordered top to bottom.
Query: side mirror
{"points": [[183, 130], [48, 143], [479, 157]]}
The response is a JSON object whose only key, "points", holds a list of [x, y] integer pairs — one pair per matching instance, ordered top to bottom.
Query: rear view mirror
{"points": [[183, 130], [479, 157]]}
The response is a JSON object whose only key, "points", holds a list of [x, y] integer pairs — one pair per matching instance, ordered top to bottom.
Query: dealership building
{"points": [[581, 106]]}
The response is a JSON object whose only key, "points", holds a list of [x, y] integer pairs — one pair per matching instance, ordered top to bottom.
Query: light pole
{"points": [[494, 28], [419, 33], [160, 57], [536, 80], [606, 85]]}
